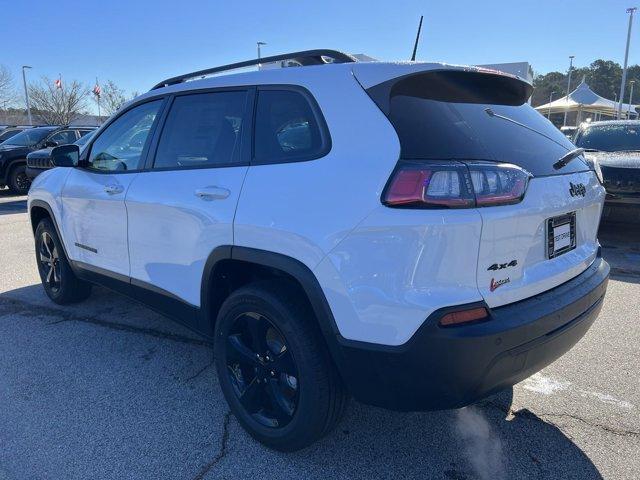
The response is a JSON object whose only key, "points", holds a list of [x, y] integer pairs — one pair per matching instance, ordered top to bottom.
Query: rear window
{"points": [[486, 126], [286, 128], [609, 138]]}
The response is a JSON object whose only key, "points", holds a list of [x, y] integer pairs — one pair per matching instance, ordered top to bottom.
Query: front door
{"points": [[182, 207], [94, 217]]}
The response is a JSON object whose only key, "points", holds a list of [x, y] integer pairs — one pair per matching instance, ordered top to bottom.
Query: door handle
{"points": [[112, 189], [212, 193]]}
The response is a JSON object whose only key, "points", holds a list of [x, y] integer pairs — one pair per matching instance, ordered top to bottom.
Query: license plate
{"points": [[561, 234]]}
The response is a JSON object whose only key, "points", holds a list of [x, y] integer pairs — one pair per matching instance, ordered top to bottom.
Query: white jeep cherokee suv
{"points": [[413, 235]]}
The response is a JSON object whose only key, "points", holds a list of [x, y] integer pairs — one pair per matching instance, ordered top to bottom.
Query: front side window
{"points": [[286, 128], [202, 130], [63, 138], [119, 147]]}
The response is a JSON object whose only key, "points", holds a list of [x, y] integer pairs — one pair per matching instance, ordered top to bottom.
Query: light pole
{"points": [[630, 11], [259, 44], [571, 57], [26, 93], [550, 99], [630, 99]]}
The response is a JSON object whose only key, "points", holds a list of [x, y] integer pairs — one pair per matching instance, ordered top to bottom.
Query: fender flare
{"points": [[12, 163], [47, 207], [289, 265]]}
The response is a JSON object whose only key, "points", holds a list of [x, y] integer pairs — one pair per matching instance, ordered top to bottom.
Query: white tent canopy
{"points": [[583, 99]]}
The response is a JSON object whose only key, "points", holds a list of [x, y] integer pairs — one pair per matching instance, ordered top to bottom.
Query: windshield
{"points": [[29, 137], [609, 138]]}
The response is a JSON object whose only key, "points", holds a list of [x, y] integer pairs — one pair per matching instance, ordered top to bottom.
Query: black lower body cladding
{"points": [[442, 368]]}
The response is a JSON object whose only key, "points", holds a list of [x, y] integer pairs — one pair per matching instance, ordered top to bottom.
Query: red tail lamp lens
{"points": [[454, 184], [430, 185], [407, 187], [464, 316]]}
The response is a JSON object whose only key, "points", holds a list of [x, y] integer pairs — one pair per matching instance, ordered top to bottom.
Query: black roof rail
{"points": [[306, 57]]}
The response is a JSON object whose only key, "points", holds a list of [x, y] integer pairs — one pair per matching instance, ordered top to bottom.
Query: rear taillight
{"points": [[428, 184]]}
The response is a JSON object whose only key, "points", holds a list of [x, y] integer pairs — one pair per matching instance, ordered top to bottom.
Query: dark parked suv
{"points": [[13, 152], [40, 160]]}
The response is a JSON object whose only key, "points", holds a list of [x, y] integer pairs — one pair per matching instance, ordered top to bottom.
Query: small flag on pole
{"points": [[58, 82], [97, 91]]}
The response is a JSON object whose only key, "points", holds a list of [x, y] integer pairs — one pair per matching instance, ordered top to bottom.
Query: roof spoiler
{"points": [[480, 86]]}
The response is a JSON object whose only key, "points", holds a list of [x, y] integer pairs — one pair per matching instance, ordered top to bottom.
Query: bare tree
{"points": [[7, 87], [111, 98], [58, 106]]}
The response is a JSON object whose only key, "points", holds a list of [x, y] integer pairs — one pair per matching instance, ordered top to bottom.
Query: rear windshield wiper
{"points": [[491, 113], [566, 158]]}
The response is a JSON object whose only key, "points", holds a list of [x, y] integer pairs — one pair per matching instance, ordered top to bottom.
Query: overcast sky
{"points": [[136, 43]]}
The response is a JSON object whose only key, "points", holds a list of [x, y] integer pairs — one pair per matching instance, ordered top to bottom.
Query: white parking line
{"points": [[538, 383]]}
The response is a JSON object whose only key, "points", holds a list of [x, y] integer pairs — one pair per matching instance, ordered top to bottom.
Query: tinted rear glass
{"points": [[286, 128], [429, 128], [8, 134], [30, 137], [609, 138]]}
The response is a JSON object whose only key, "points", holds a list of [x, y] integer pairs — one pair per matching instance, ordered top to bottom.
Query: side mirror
{"points": [[50, 143], [65, 156]]}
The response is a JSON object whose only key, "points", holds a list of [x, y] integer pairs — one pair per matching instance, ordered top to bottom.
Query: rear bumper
{"points": [[443, 368]]}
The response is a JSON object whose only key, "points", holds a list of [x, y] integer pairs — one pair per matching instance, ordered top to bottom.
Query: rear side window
{"points": [[461, 125], [286, 128], [202, 130]]}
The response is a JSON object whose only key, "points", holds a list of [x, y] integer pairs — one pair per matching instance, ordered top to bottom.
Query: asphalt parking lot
{"points": [[110, 389]]}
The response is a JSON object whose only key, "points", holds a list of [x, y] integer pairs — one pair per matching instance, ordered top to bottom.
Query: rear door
{"points": [[182, 207], [94, 215]]}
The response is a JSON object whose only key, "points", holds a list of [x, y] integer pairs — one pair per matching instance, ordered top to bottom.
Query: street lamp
{"points": [[630, 11], [259, 44], [571, 57], [26, 93], [630, 99]]}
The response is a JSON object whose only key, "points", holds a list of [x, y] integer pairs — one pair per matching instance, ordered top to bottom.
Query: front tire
{"points": [[19, 182], [60, 283], [274, 368]]}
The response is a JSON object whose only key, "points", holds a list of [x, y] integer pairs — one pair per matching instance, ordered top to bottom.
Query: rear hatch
{"points": [[471, 117]]}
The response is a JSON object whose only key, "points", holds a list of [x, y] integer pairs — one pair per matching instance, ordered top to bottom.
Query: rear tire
{"points": [[19, 182], [60, 283], [289, 395]]}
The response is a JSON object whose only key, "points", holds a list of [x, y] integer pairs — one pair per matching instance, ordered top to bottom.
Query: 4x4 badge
{"points": [[577, 189], [502, 266]]}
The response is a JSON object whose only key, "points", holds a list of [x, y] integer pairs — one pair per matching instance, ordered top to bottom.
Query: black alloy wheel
{"points": [[19, 182], [49, 258], [58, 279], [274, 368], [262, 370]]}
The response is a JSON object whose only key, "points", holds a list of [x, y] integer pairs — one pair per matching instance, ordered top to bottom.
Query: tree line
{"points": [[602, 76], [54, 105]]}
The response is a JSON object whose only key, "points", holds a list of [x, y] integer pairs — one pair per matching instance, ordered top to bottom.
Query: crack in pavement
{"points": [[10, 306], [200, 372], [524, 413], [222, 452]]}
